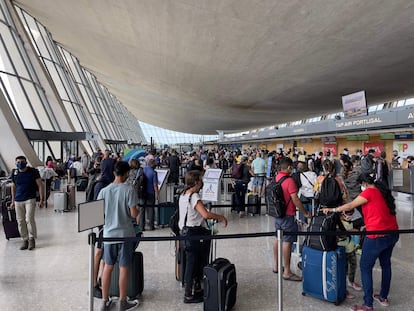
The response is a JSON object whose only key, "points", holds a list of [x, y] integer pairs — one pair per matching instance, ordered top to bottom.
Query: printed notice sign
{"points": [[211, 185]]}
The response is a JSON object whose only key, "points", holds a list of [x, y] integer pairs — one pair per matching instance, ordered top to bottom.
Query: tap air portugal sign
{"points": [[405, 148]]}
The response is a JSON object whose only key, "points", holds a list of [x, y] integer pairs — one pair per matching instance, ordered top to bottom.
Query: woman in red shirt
{"points": [[378, 209]]}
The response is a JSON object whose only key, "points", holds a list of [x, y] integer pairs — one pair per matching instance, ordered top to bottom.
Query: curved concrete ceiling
{"points": [[202, 66]]}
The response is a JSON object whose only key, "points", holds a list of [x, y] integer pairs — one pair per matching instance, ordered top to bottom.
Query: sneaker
{"points": [[32, 244], [25, 245], [354, 285], [97, 292], [383, 301], [105, 305], [125, 305]]}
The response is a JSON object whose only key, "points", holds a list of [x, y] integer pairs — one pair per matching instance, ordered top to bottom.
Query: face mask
{"points": [[21, 165], [363, 188]]}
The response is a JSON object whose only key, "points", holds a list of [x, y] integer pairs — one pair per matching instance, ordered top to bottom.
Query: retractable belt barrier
{"points": [[252, 235]]}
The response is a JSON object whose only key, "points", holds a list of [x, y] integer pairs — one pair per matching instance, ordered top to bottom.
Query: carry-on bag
{"points": [[82, 184], [71, 190], [60, 201], [253, 204], [165, 211], [324, 223], [10, 226], [180, 261], [324, 275], [135, 278], [220, 282]]}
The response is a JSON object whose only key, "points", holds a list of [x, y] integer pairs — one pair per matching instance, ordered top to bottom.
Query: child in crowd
{"points": [[350, 247]]}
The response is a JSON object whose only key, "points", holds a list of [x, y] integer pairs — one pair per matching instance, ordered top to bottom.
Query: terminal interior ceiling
{"points": [[202, 66]]}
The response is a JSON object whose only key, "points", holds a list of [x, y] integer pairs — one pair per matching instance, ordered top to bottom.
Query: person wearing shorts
{"points": [[258, 169], [121, 209], [287, 223]]}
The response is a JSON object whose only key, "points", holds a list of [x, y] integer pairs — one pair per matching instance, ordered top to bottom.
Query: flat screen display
{"points": [[355, 105]]}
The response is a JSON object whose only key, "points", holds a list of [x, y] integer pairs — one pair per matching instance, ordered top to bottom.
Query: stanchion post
{"points": [[91, 242], [280, 268]]}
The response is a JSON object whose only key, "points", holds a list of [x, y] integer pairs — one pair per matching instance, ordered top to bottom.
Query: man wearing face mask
{"points": [[26, 182]]}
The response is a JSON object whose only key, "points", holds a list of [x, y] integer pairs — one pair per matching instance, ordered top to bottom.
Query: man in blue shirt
{"points": [[26, 182], [151, 195], [121, 208]]}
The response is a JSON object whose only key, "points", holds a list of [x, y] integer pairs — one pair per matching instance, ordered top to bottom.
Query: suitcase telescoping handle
{"points": [[213, 245]]}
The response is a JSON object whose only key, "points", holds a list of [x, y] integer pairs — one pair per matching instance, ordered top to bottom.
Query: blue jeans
{"points": [[372, 249]]}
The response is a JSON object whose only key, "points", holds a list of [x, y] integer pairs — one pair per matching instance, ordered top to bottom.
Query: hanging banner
{"points": [[377, 146], [331, 147], [404, 148]]}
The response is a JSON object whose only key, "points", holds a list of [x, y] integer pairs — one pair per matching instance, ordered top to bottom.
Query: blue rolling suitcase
{"points": [[165, 211], [324, 274]]}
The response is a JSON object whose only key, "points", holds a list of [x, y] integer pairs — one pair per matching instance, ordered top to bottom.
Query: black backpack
{"points": [[368, 164], [296, 178], [140, 184], [330, 194], [275, 199], [324, 223]]}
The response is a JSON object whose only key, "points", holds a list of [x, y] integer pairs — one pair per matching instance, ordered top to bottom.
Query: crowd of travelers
{"points": [[131, 190]]}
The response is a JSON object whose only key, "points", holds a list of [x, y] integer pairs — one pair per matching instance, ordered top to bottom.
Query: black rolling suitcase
{"points": [[253, 204], [11, 229], [135, 278], [220, 283]]}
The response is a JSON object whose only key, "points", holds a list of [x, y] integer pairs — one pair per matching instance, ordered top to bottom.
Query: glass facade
{"points": [[62, 98]]}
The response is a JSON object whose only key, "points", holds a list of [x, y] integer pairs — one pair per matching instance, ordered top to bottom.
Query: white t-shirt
{"points": [[307, 184], [194, 218]]}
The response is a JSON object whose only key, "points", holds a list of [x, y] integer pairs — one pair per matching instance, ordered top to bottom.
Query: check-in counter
{"points": [[402, 179]]}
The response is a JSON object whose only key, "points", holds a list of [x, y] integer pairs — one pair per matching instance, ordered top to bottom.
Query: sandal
{"points": [[293, 277], [383, 301], [362, 308]]}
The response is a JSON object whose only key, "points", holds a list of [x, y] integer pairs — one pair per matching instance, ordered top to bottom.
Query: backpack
{"points": [[394, 162], [318, 163], [368, 164], [237, 171], [296, 178], [140, 184], [330, 194], [275, 199], [175, 218], [324, 223]]}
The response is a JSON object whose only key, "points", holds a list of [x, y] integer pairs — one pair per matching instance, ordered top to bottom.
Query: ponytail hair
{"points": [[369, 178]]}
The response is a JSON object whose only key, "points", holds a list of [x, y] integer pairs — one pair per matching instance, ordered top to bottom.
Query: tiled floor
{"points": [[55, 275]]}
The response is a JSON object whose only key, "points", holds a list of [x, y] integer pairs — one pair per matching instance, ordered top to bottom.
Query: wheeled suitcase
{"points": [[82, 184], [71, 190], [60, 201], [253, 204], [165, 211], [10, 226], [179, 261], [324, 275], [135, 278], [220, 282], [220, 285]]}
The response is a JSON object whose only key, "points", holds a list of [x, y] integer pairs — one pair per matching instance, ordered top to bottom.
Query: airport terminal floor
{"points": [[54, 276]]}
